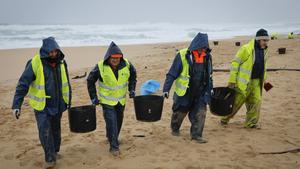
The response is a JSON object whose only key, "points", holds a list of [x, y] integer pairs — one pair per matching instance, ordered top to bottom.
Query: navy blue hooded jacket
{"points": [[200, 41], [259, 64], [94, 75], [55, 104]]}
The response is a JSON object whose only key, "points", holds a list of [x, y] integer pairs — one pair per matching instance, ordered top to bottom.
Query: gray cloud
{"points": [[132, 11]]}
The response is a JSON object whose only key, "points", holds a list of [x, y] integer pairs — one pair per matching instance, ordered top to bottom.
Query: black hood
{"points": [[200, 41], [50, 44], [112, 49]]}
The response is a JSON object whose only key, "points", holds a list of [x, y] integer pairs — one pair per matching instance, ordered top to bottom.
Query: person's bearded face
{"points": [[53, 54]]}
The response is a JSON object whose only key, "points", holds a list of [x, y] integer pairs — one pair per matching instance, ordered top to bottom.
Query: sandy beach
{"points": [[230, 147]]}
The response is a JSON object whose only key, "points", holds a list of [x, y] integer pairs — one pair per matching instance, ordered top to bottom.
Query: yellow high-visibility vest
{"points": [[274, 35], [290, 35], [242, 64], [182, 82], [111, 90], [37, 94]]}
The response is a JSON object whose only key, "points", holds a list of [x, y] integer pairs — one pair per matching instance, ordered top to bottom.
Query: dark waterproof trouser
{"points": [[196, 112], [113, 116], [49, 133]]}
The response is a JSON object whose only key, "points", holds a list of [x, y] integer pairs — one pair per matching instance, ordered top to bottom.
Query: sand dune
{"points": [[231, 147]]}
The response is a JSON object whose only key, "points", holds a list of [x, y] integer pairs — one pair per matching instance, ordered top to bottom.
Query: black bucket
{"points": [[216, 43], [237, 43], [281, 50], [222, 101], [148, 108], [82, 119]]}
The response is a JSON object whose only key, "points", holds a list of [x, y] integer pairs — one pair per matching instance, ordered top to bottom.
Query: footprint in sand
{"points": [[76, 149], [24, 152], [9, 156], [25, 161], [38, 164], [191, 167]]}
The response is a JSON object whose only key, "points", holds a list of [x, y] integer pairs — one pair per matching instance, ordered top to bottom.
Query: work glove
{"points": [[231, 85], [268, 86], [132, 94], [165, 95], [95, 101], [16, 113]]}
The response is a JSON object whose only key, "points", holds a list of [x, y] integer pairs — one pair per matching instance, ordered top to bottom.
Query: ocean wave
{"points": [[24, 36]]}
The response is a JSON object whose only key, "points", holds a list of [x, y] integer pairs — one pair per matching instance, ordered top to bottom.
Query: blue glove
{"points": [[95, 101]]}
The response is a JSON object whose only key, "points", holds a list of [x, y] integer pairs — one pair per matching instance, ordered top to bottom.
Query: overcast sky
{"points": [[134, 11]]}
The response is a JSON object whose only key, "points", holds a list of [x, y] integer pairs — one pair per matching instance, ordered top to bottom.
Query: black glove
{"points": [[132, 94], [166, 95], [95, 101]]}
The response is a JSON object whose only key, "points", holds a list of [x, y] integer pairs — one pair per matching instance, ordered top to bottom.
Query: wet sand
{"points": [[230, 147]]}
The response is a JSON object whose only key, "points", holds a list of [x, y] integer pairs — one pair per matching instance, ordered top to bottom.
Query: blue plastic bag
{"points": [[150, 87]]}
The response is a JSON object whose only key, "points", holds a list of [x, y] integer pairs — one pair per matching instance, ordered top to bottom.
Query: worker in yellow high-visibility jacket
{"points": [[274, 35], [291, 35], [191, 71], [116, 76], [247, 76], [46, 81]]}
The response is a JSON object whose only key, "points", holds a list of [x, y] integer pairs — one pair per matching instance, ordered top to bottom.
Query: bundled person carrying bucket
{"points": [[291, 35], [192, 72], [115, 75], [247, 76], [46, 81]]}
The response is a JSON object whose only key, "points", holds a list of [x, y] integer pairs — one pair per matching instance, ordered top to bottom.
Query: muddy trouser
{"points": [[252, 99], [196, 113], [113, 116], [49, 133]]}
